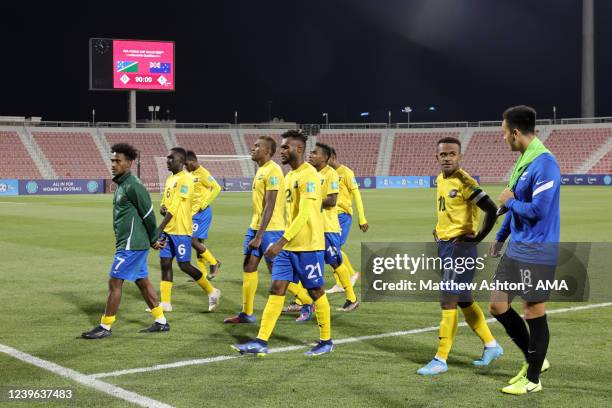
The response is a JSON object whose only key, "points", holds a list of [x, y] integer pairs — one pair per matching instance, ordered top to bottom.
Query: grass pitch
{"points": [[58, 250]]}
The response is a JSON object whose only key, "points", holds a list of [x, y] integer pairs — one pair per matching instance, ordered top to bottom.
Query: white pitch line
{"points": [[12, 202], [347, 340], [85, 380]]}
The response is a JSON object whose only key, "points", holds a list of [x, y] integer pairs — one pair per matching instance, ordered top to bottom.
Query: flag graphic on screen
{"points": [[127, 66], [159, 67]]}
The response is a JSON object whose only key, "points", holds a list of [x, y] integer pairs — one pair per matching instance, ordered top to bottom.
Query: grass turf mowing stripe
{"points": [[347, 340], [83, 379]]}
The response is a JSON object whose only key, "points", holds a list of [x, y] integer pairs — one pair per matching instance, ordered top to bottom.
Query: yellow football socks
{"points": [[209, 257], [346, 261], [343, 276], [205, 284], [249, 287], [165, 289], [300, 293], [323, 313], [158, 314], [270, 315], [476, 320], [107, 321], [448, 329]]}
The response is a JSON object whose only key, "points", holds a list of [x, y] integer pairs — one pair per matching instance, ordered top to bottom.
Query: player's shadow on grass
{"points": [[92, 308]]}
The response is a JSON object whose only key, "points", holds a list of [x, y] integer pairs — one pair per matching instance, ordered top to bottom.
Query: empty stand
{"points": [[251, 138], [212, 144], [150, 145], [573, 146], [359, 151], [414, 153], [72, 154], [489, 156], [16, 160], [604, 165]]}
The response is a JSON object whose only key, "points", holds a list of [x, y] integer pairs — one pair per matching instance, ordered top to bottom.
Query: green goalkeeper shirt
{"points": [[133, 215]]}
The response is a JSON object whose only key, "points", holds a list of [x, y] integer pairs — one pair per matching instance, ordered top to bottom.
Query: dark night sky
{"points": [[469, 58]]}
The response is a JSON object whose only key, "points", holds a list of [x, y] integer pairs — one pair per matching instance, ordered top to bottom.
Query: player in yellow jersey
{"points": [[330, 188], [205, 190], [349, 192], [458, 199], [267, 223], [177, 227], [299, 254]]}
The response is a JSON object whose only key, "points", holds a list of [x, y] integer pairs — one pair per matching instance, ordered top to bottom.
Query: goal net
{"points": [[232, 172]]}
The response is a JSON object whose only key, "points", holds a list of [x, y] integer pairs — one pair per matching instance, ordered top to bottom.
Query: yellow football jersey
{"points": [[269, 177], [304, 182], [348, 183], [330, 184], [203, 185], [178, 195], [456, 200]]}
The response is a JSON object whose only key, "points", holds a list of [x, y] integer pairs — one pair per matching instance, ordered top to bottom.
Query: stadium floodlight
{"points": [[431, 109], [151, 110], [407, 111], [364, 114], [326, 116]]}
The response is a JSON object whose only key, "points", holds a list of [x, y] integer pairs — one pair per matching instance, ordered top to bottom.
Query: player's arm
{"points": [[546, 179], [214, 187], [183, 194], [141, 200], [330, 201], [487, 206], [268, 211], [363, 223], [294, 228], [501, 236]]}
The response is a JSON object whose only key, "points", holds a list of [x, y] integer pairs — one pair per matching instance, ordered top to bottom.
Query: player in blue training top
{"points": [[532, 222]]}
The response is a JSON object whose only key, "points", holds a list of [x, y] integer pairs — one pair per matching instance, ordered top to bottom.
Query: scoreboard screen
{"points": [[131, 65]]}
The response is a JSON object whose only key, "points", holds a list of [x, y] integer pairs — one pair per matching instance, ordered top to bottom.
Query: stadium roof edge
{"points": [[20, 121]]}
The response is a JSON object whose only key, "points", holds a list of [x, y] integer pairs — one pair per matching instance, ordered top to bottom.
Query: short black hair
{"points": [[521, 117], [295, 134], [451, 140], [271, 143], [126, 149], [326, 149], [181, 152], [332, 152], [190, 155]]}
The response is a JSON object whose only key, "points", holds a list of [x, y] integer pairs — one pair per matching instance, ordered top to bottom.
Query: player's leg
{"points": [[345, 220], [201, 224], [166, 255], [334, 258], [183, 259], [126, 265], [309, 268], [282, 274], [250, 280], [148, 293], [303, 302], [500, 305], [472, 312], [446, 336]]}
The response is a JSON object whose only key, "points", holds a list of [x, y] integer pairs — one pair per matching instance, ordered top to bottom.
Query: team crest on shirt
{"points": [[295, 185], [453, 193]]}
